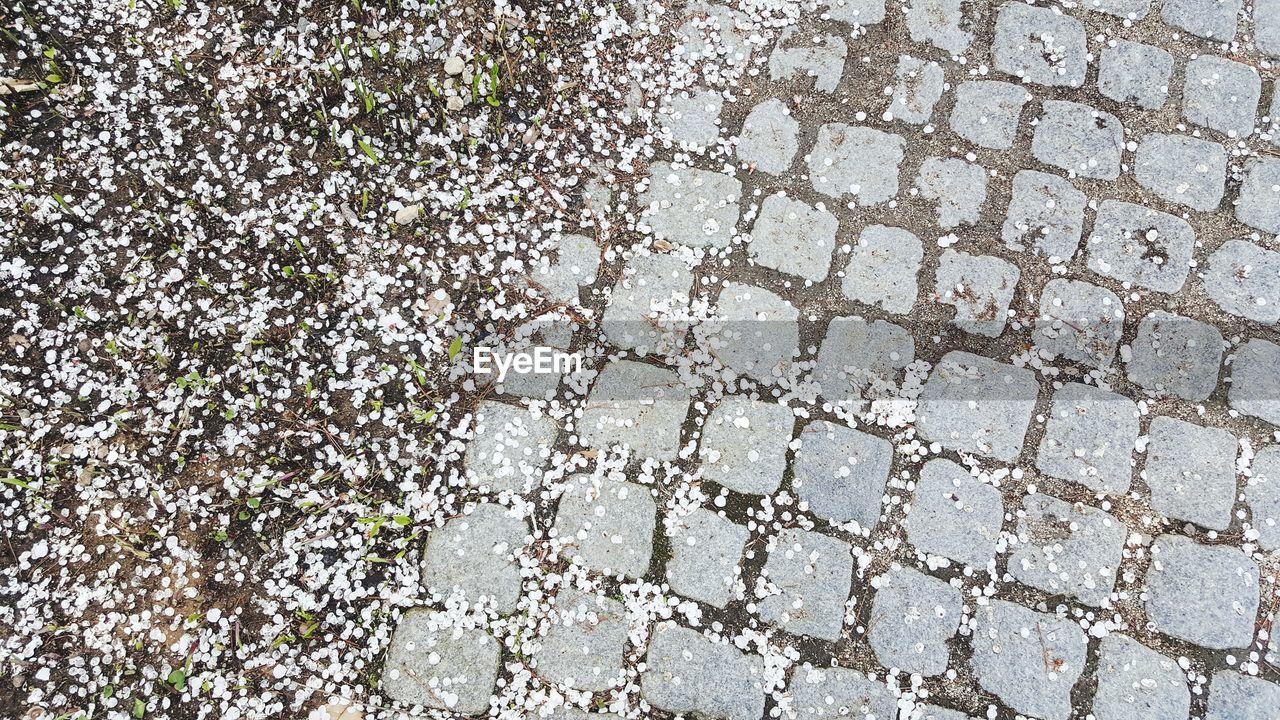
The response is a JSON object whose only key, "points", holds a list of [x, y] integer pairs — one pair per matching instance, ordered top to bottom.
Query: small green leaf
{"points": [[368, 150], [455, 347], [254, 502], [402, 519], [178, 679], [139, 708]]}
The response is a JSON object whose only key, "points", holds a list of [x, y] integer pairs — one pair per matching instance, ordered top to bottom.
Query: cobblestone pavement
{"points": [[932, 373]]}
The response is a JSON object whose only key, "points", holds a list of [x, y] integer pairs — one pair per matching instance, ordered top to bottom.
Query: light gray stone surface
{"points": [[1129, 9], [856, 12], [1214, 19], [938, 23], [1266, 31], [1039, 45], [802, 55], [1132, 72], [919, 86], [1221, 94], [986, 112], [694, 117], [769, 138], [1079, 139], [858, 161], [1183, 170], [959, 187], [1259, 203], [691, 207], [1046, 215], [793, 237], [1138, 245], [576, 260], [883, 269], [1244, 279], [980, 288], [649, 306], [1079, 322], [756, 332], [1176, 355], [859, 360], [1255, 386], [637, 405], [976, 405], [1089, 438], [744, 444], [510, 448], [840, 472], [1191, 472], [1262, 497], [955, 515], [607, 524], [1066, 549], [705, 550], [476, 554], [806, 580], [1202, 594], [913, 616], [583, 645], [1029, 660], [432, 664], [689, 673], [1137, 683], [833, 692], [1233, 696], [934, 712]]}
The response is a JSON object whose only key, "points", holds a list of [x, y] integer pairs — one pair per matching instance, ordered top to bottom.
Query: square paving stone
{"points": [[1131, 9], [856, 12], [1207, 18], [707, 20], [937, 22], [1266, 30], [1039, 45], [821, 58], [1135, 73], [919, 86], [1221, 94], [986, 112], [694, 117], [1080, 139], [768, 141], [858, 161], [1182, 170], [959, 187], [1259, 204], [691, 207], [1046, 213], [794, 238], [1142, 246], [577, 258], [883, 269], [1244, 279], [980, 288], [648, 308], [1080, 322], [550, 331], [756, 332], [1176, 355], [860, 360], [1255, 384], [972, 404], [638, 405], [1089, 438], [744, 444], [510, 448], [840, 472], [1262, 496], [955, 515], [608, 524], [1066, 549], [705, 550], [476, 554], [811, 574], [1207, 595], [913, 616], [583, 645], [1029, 660], [437, 666], [688, 673], [1136, 683], [829, 692], [1233, 696], [934, 712]]}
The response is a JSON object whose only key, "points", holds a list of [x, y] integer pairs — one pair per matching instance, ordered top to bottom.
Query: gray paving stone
{"points": [[1131, 9], [856, 12], [1207, 18], [937, 22], [1266, 31], [1039, 45], [731, 47], [798, 55], [1131, 72], [919, 86], [1221, 94], [986, 112], [694, 117], [1272, 127], [769, 138], [1080, 139], [858, 161], [1182, 170], [959, 187], [1259, 204], [690, 206], [1046, 213], [793, 237], [1142, 246], [576, 260], [883, 269], [1244, 279], [979, 287], [649, 305], [1080, 322], [547, 331], [757, 332], [1176, 355], [860, 360], [1255, 384], [972, 404], [636, 405], [1089, 438], [744, 444], [510, 448], [841, 472], [1262, 496], [954, 515], [607, 524], [1066, 549], [705, 550], [476, 553], [811, 575], [1203, 594], [913, 616], [583, 646], [1273, 646], [1029, 660], [437, 666], [688, 673], [1136, 683], [829, 692], [1233, 696], [934, 712]]}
